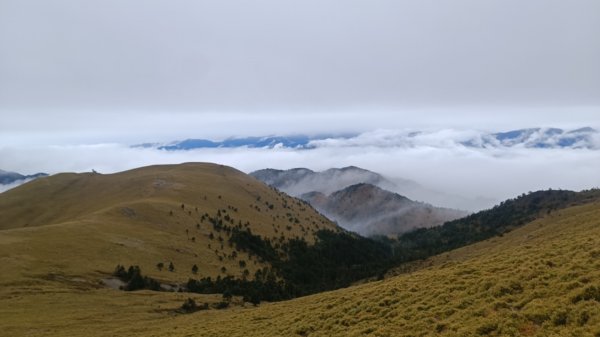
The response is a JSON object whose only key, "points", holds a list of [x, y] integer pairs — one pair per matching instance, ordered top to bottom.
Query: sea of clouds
{"points": [[467, 177]]}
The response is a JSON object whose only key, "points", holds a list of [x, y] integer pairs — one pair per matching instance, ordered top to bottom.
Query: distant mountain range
{"points": [[541, 138], [295, 142], [7, 177], [298, 181], [358, 199]]}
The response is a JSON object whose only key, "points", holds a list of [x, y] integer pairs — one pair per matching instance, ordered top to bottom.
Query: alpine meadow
{"points": [[397, 168]]}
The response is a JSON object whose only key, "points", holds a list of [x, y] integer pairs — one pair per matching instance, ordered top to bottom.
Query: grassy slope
{"points": [[83, 225], [522, 284]]}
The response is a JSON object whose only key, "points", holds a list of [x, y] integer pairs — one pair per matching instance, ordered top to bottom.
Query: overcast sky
{"points": [[128, 69], [81, 80]]}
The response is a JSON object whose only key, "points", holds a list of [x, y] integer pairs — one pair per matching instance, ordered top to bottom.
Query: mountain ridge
{"points": [[538, 137], [7, 177], [298, 181], [370, 210], [153, 214], [539, 280]]}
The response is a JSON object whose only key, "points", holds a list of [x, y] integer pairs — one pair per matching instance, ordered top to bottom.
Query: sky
{"points": [[81, 81]]}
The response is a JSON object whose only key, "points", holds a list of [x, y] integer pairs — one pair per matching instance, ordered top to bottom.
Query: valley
{"points": [[360, 200]]}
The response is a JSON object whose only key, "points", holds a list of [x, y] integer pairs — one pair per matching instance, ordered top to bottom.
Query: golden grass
{"points": [[86, 224], [61, 235], [525, 283]]}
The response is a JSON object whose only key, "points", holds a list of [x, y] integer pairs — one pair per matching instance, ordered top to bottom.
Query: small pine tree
{"points": [[160, 266], [171, 267], [195, 269], [120, 272], [136, 281], [227, 295], [253, 297], [189, 306]]}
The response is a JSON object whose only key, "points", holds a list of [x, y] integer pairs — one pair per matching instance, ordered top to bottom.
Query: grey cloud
{"points": [[268, 55], [124, 71], [477, 176]]}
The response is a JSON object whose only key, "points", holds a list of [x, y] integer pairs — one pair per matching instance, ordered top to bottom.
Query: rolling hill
{"points": [[299, 181], [360, 200], [370, 210], [497, 221], [85, 224], [62, 236], [538, 280]]}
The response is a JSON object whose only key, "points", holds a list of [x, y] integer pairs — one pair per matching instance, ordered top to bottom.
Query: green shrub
{"points": [[590, 293], [560, 318], [487, 329]]}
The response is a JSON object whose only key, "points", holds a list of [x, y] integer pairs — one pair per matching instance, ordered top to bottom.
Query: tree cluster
{"points": [[134, 280]]}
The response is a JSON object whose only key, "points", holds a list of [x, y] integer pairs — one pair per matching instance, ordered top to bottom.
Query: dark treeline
{"points": [[510, 214], [338, 259], [335, 260], [134, 280], [265, 287]]}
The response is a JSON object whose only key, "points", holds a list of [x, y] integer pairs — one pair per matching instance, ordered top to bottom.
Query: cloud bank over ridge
{"points": [[438, 160]]}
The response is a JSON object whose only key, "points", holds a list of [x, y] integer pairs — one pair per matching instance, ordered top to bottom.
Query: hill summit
{"points": [[370, 210], [158, 214]]}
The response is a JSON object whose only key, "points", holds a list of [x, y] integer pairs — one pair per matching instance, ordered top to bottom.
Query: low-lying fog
{"points": [[455, 176]]}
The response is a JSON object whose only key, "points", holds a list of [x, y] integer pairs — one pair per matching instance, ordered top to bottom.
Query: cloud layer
{"points": [[269, 55], [439, 162]]}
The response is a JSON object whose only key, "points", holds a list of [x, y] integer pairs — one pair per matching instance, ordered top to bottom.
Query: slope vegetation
{"points": [[359, 200], [497, 221], [86, 224], [541, 279]]}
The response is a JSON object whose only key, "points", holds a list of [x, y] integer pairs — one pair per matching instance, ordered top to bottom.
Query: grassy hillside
{"points": [[497, 221], [86, 224], [541, 279]]}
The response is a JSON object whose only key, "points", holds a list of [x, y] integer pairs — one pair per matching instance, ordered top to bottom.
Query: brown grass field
{"points": [[86, 224], [540, 280]]}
